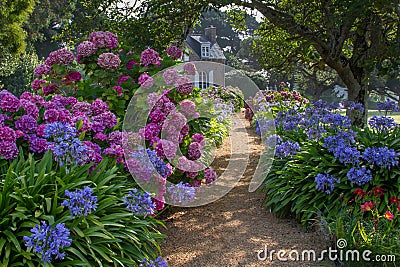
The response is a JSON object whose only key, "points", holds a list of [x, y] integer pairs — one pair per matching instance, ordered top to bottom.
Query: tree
{"points": [[13, 14]]}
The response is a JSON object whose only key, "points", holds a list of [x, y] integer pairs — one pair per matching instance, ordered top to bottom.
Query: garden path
{"points": [[230, 231]]}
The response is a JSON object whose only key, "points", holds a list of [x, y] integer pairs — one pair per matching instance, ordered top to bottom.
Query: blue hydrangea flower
{"points": [[382, 123], [287, 149], [381, 156], [158, 164], [359, 176], [325, 182], [180, 194], [81, 202], [140, 204], [49, 241], [159, 262]]}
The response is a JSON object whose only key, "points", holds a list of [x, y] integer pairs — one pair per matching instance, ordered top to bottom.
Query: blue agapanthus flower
{"points": [[388, 106], [382, 123], [287, 149], [381, 156], [163, 169], [359, 176], [325, 182], [181, 194], [80, 202], [140, 204], [48, 241], [159, 262]]}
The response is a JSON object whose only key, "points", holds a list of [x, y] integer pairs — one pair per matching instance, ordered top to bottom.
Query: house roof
{"points": [[195, 41]]}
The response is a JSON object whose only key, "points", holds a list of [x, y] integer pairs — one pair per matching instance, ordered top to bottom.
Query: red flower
{"points": [[379, 191], [359, 192], [394, 199], [367, 206], [388, 215]]}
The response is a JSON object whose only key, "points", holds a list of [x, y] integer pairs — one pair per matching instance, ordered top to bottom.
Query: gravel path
{"points": [[231, 230]]}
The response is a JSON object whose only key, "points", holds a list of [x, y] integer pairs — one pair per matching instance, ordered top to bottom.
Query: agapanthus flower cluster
{"points": [[103, 39], [174, 52], [149, 56], [109, 61], [388, 106], [382, 123], [341, 146], [66, 147], [287, 149], [381, 156], [165, 170], [359, 175], [325, 182], [181, 194], [81, 202], [140, 204], [48, 241], [159, 262]]}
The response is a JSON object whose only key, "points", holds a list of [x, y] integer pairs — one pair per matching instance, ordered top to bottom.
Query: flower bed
{"points": [[329, 171]]}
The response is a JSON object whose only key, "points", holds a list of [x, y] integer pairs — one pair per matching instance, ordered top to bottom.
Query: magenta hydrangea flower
{"points": [[103, 39], [86, 49], [174, 51], [60, 56], [149, 56], [109, 61], [190, 68], [42, 69], [74, 76], [170, 76], [123, 78], [145, 81], [184, 85], [49, 89], [118, 89], [9, 102], [99, 106], [82, 107], [30, 108], [157, 116], [4, 118], [83, 119], [108, 119], [179, 120], [26, 124], [98, 127], [40, 129], [151, 130], [184, 130], [7, 134], [100, 136], [115, 138], [199, 138], [36, 144], [166, 149], [8, 150], [194, 151], [186, 165], [191, 175], [210, 176]]}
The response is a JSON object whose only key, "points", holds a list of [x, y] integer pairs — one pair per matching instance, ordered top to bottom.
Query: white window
{"points": [[205, 51], [186, 55], [203, 80]]}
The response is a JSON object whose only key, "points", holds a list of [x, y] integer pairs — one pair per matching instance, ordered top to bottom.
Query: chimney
{"points": [[211, 33]]}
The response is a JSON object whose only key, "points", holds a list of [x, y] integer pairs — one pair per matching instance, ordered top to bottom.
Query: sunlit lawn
{"points": [[395, 115]]}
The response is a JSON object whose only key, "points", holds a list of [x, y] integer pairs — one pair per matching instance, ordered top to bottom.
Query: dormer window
{"points": [[205, 51]]}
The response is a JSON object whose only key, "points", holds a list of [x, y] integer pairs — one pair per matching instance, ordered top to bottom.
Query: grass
{"points": [[395, 115]]}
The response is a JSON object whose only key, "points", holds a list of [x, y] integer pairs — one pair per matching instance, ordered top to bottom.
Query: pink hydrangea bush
{"points": [[98, 68]]}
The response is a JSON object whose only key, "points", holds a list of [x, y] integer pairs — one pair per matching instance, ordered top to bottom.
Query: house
{"points": [[204, 48]]}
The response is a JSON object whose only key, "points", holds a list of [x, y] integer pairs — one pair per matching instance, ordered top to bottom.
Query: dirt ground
{"points": [[234, 229]]}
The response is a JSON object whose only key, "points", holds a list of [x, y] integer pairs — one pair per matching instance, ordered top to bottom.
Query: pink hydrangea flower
{"points": [[103, 39], [86, 49], [174, 51], [60, 56], [149, 56], [109, 61], [190, 68], [41, 70], [170, 76], [145, 81], [184, 85], [82, 107], [188, 107], [166, 149], [194, 151], [210, 176]]}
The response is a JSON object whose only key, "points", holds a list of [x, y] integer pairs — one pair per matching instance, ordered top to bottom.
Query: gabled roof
{"points": [[195, 41]]}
